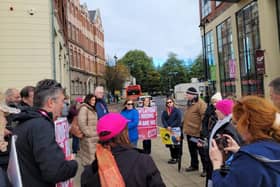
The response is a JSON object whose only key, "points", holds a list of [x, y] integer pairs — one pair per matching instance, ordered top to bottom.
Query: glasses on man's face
{"points": [[129, 103]]}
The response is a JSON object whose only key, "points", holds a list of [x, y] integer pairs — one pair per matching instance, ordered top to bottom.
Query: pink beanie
{"points": [[79, 99], [225, 106], [110, 125]]}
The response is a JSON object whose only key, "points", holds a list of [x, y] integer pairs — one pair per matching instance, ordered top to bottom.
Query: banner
{"points": [[147, 127], [170, 137], [62, 139]]}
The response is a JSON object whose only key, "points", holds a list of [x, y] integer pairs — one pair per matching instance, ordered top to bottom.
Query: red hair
{"points": [[256, 116]]}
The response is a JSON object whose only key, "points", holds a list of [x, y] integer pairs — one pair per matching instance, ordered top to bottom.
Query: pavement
{"points": [[160, 154]]}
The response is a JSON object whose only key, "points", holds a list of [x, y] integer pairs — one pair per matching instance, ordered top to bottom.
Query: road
{"points": [[160, 155]]}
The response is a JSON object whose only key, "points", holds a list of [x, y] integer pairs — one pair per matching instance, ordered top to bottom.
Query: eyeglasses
{"points": [[168, 102], [129, 103]]}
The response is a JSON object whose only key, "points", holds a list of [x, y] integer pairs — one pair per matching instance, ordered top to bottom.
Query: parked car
{"points": [[141, 99]]}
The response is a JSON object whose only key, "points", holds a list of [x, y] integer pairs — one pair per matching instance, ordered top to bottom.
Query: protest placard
{"points": [[147, 127], [62, 139]]}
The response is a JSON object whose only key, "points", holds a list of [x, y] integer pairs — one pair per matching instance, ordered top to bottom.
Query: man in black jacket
{"points": [[42, 161]]}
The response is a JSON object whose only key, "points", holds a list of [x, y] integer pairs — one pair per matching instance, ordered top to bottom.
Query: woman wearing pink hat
{"points": [[223, 126], [116, 158]]}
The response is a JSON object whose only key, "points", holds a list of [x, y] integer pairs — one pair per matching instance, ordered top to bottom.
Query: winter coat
{"points": [[101, 108], [133, 117], [193, 118], [87, 120], [172, 120], [208, 121], [223, 126], [42, 162], [254, 165], [137, 169]]}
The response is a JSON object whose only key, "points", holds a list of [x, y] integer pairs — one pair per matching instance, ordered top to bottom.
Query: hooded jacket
{"points": [[42, 162], [256, 164], [137, 169]]}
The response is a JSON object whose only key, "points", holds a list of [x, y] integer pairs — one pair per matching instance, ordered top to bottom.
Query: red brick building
{"points": [[86, 48]]}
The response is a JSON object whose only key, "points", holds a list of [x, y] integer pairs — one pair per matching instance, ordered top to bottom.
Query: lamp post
{"points": [[205, 62], [170, 76]]}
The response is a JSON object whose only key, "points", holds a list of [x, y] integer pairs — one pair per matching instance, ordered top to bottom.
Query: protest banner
{"points": [[147, 127], [170, 137], [62, 139]]}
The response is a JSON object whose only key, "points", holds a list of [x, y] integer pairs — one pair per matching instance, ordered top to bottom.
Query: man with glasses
{"points": [[41, 160]]}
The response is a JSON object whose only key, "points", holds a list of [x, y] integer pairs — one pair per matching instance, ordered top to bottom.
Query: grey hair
{"points": [[44, 90], [9, 92]]}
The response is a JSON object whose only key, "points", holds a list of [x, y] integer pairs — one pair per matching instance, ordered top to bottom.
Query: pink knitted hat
{"points": [[79, 99], [225, 106], [110, 125]]}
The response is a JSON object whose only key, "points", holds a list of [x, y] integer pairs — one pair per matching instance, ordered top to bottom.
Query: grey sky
{"points": [[154, 26]]}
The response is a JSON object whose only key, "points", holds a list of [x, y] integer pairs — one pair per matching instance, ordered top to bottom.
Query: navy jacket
{"points": [[101, 108], [173, 120], [42, 162], [256, 164]]}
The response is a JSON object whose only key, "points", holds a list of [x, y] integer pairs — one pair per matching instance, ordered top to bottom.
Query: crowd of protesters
{"points": [[237, 140]]}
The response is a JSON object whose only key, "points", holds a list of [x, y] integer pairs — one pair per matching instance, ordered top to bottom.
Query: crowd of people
{"points": [[237, 140]]}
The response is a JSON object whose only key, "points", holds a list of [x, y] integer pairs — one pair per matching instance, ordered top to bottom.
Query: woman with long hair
{"points": [[131, 114], [171, 118], [87, 120], [147, 143], [116, 158], [257, 162]]}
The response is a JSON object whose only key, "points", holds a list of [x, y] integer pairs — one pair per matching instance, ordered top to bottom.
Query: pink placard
{"points": [[147, 127], [62, 139]]}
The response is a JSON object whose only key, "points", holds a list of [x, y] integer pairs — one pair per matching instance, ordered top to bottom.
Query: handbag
{"points": [[75, 129]]}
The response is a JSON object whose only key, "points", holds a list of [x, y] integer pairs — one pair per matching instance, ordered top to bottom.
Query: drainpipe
{"points": [[53, 41]]}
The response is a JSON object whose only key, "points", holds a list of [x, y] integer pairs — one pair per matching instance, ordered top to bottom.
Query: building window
{"points": [[218, 3], [205, 7], [248, 43], [71, 57], [210, 60], [227, 63], [72, 87]]}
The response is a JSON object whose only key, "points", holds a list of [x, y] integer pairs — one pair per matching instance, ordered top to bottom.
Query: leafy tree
{"points": [[140, 67], [197, 68], [173, 72], [115, 76]]}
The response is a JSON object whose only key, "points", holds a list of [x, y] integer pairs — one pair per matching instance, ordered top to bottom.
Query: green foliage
{"points": [[141, 67], [197, 68], [173, 72], [115, 77]]}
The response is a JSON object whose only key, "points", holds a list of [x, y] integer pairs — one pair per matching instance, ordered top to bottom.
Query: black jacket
{"points": [[208, 121], [42, 162], [137, 170]]}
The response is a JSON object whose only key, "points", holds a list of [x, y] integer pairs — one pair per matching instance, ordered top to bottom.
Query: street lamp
{"points": [[205, 62], [170, 74]]}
